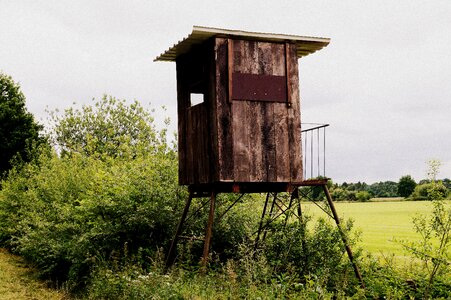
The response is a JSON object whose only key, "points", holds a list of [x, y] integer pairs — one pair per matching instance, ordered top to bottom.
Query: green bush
{"points": [[430, 191], [339, 194], [363, 196], [74, 210], [65, 212], [311, 253], [294, 263]]}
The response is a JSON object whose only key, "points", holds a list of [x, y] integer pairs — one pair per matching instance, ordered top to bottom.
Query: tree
{"points": [[109, 128], [19, 133], [433, 169], [406, 186], [384, 189], [431, 189]]}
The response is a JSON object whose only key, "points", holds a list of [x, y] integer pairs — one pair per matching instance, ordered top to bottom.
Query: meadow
{"points": [[381, 223]]}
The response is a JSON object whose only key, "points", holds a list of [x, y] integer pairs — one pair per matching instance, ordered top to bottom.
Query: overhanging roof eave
{"points": [[305, 45]]}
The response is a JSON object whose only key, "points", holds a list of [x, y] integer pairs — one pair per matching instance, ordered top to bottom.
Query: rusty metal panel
{"points": [[257, 87]]}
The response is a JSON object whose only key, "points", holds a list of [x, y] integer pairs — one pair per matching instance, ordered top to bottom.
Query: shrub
{"points": [[430, 191], [339, 194], [363, 196], [75, 210], [66, 212], [432, 249], [316, 253]]}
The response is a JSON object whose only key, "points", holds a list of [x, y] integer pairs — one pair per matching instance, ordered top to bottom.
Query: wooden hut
{"points": [[238, 106]]}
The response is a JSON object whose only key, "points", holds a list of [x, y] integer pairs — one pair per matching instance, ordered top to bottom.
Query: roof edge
{"points": [[200, 33], [263, 35]]}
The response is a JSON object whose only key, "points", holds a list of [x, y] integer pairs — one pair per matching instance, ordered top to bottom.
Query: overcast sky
{"points": [[383, 83]]}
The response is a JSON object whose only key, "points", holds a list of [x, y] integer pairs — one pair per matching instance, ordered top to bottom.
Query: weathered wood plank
{"points": [[246, 54], [278, 56], [265, 59], [230, 64], [264, 65], [287, 68], [182, 95], [212, 113], [224, 113], [294, 117], [280, 118], [254, 119], [268, 142], [282, 142], [189, 149], [205, 153], [241, 156], [198, 157], [208, 170], [256, 170]]}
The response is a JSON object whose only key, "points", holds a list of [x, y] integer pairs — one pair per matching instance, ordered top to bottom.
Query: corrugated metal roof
{"points": [[305, 45]]}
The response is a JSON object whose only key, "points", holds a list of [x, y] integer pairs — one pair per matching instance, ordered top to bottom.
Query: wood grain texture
{"points": [[230, 64], [182, 98], [224, 112], [212, 113], [294, 117], [255, 121], [241, 141], [282, 146], [196, 152]]}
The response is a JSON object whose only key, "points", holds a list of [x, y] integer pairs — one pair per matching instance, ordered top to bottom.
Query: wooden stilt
{"points": [[294, 195], [300, 210], [271, 214], [260, 226], [208, 232], [343, 236], [171, 254]]}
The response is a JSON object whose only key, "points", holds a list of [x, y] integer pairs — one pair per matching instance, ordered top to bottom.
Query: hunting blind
{"points": [[238, 106], [239, 123]]}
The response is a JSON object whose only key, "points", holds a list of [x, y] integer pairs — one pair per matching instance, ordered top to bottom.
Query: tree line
{"points": [[406, 187]]}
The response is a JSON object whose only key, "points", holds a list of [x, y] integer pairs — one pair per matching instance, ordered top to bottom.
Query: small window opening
{"points": [[196, 98]]}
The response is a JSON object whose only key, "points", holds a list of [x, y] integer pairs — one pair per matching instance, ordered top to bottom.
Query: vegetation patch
{"points": [[96, 211], [380, 223], [19, 281]]}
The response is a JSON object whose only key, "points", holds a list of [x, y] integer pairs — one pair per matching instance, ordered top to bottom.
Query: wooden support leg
{"points": [[294, 195], [300, 211], [271, 214], [261, 222], [208, 232], [343, 236], [171, 254]]}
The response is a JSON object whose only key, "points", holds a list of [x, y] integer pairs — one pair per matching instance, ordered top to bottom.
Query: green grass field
{"points": [[380, 222]]}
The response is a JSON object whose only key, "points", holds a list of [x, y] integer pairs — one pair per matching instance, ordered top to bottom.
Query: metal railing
{"points": [[313, 140]]}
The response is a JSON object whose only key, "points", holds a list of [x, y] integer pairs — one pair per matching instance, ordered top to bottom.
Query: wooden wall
{"points": [[195, 137], [229, 140], [259, 141]]}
